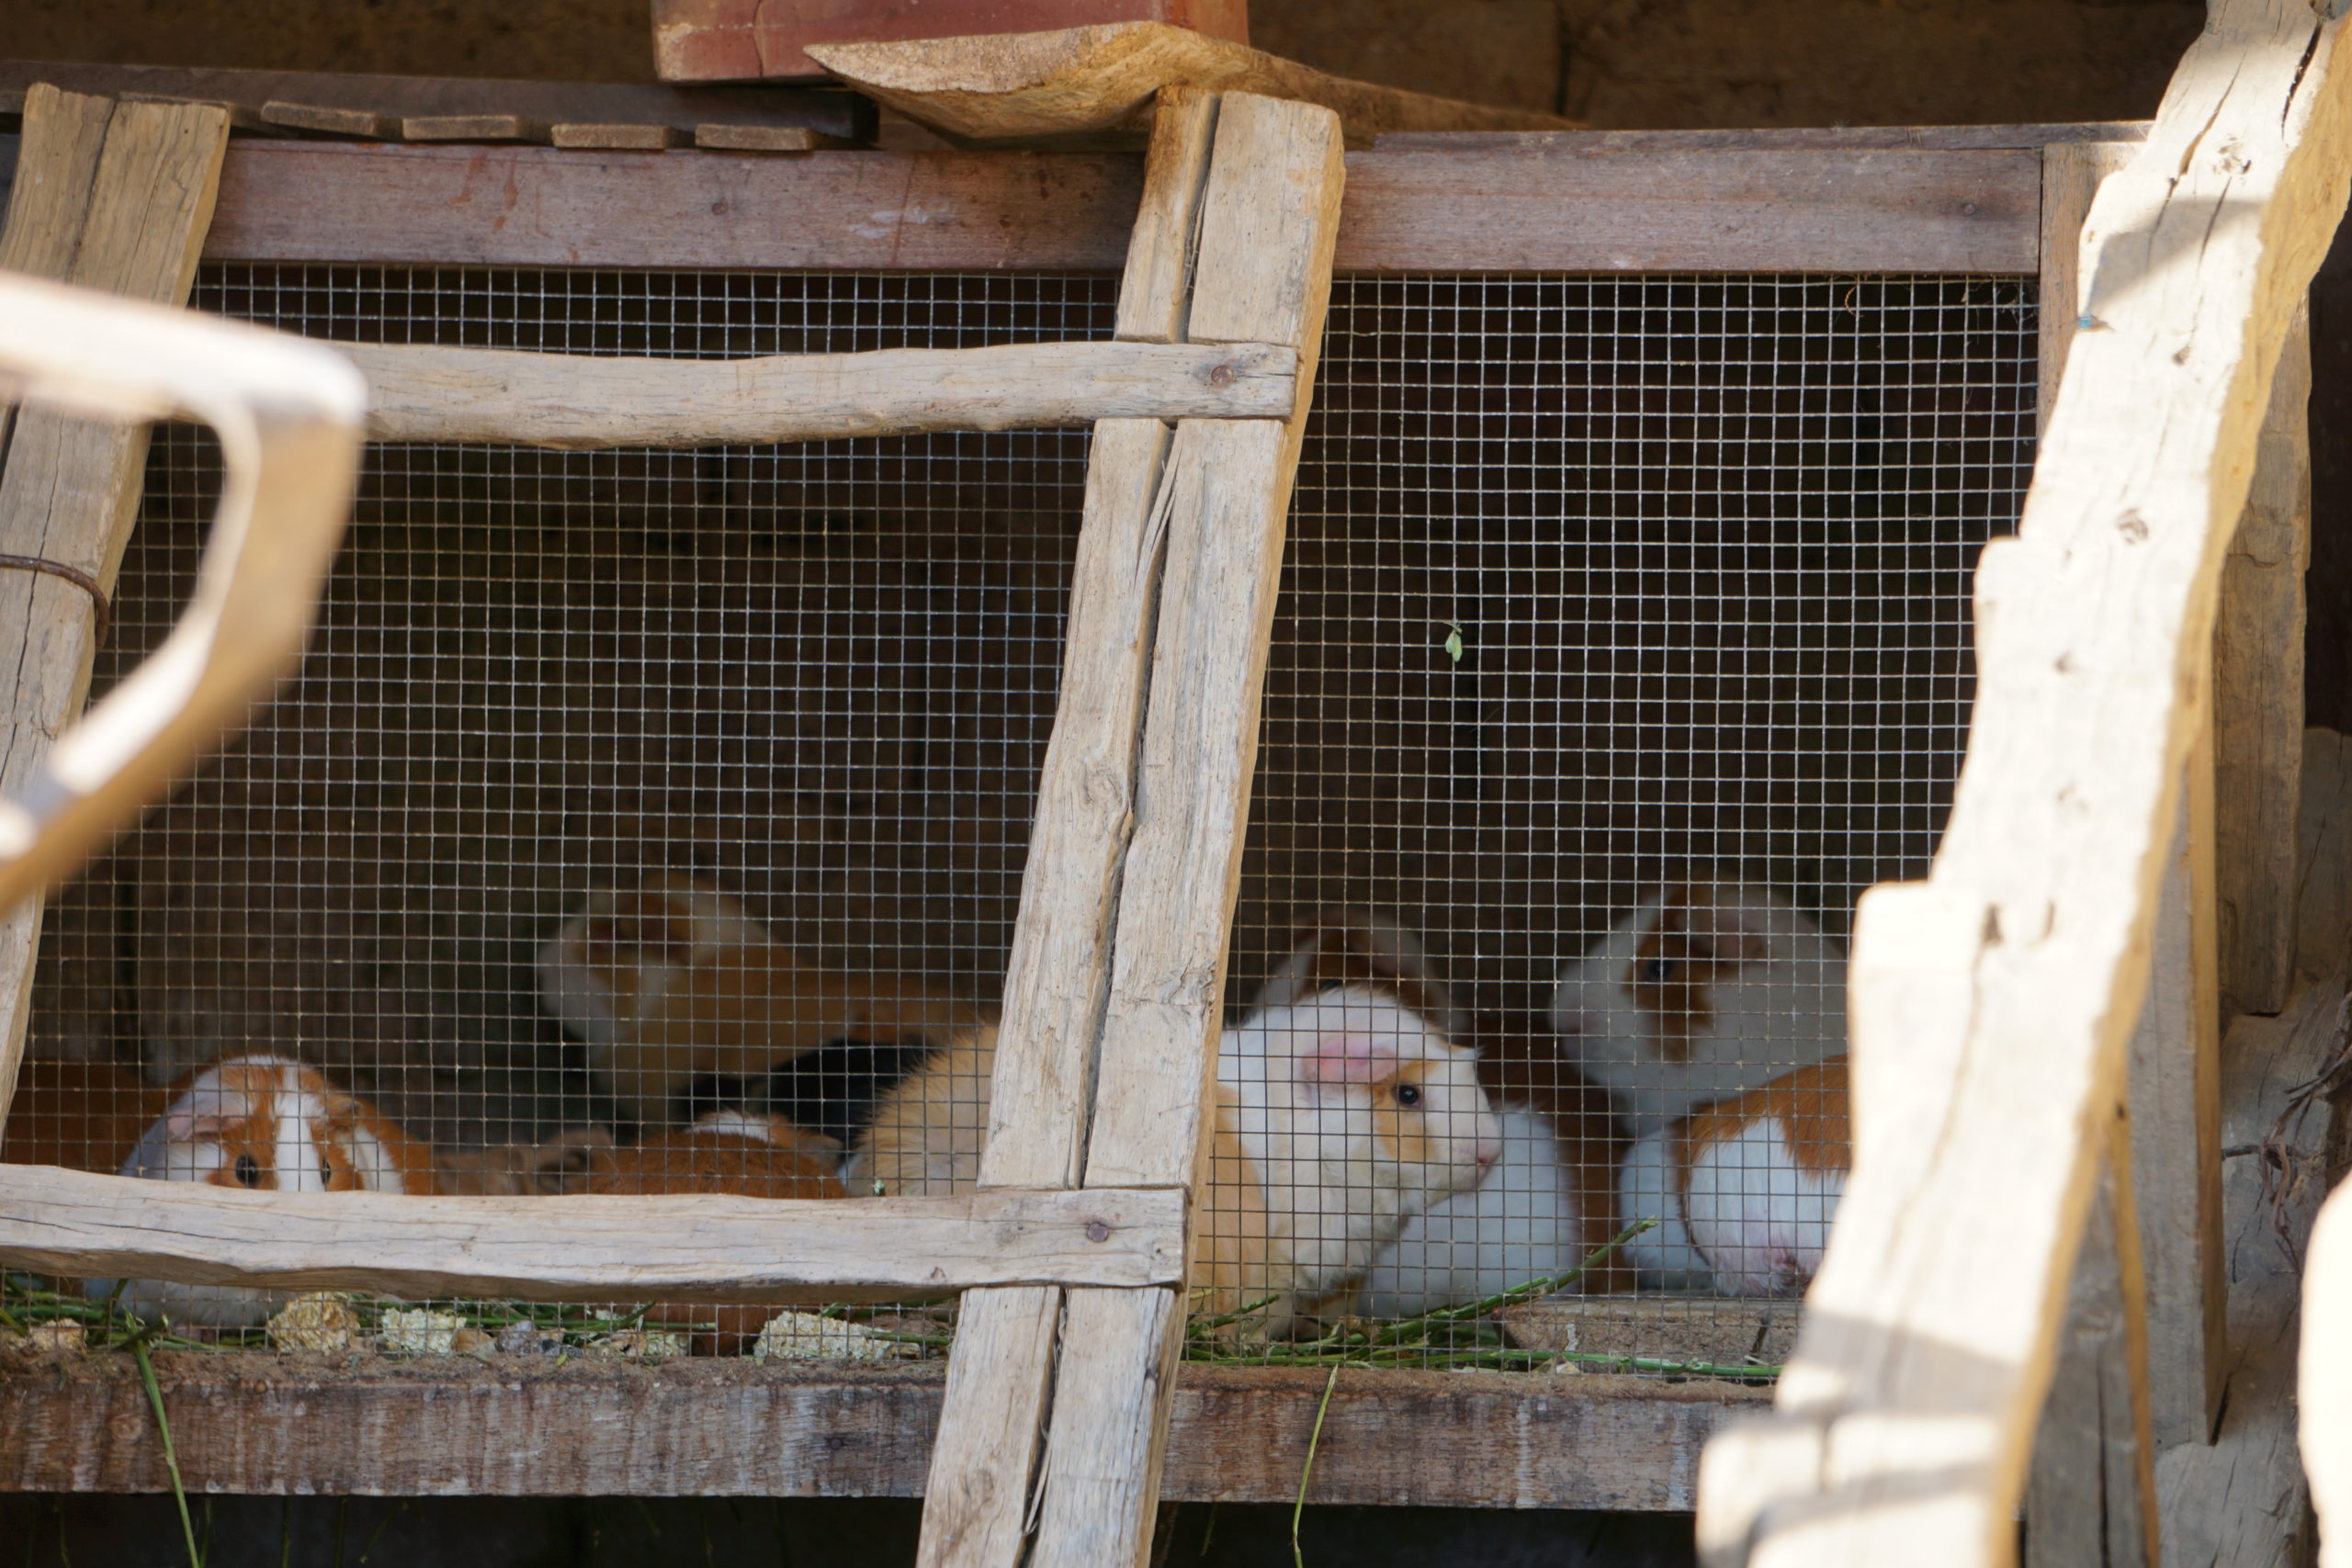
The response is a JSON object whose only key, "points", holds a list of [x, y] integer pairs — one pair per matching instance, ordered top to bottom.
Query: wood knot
{"points": [[2133, 527], [1097, 1232]]}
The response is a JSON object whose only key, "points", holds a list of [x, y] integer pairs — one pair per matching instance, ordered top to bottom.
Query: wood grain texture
{"points": [[735, 40], [1076, 79], [390, 98], [331, 120], [606, 135], [117, 200], [1798, 208], [1269, 212], [1156, 293], [576, 401], [2258, 697], [1058, 974], [2011, 977], [2174, 1066], [588, 1249], [453, 1426], [2090, 1498], [2242, 1499]]}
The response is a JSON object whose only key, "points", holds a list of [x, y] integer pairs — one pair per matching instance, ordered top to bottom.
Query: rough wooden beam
{"points": [[999, 87], [382, 102], [114, 198], [1636, 209], [1269, 223], [574, 401], [2258, 697], [1059, 973], [1991, 1005], [588, 1249], [722, 1426], [2242, 1500]]}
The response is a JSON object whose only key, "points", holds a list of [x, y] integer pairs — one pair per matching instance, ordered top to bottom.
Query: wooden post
{"points": [[1254, 183], [115, 197], [2258, 698], [1992, 1005]]}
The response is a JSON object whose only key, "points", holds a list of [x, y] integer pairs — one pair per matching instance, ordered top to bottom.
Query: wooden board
{"points": [[737, 40], [1073, 81], [387, 100], [118, 198], [1803, 210], [576, 401], [2258, 698], [1058, 974], [2009, 979], [588, 1249], [1715, 1330], [710, 1427], [2242, 1500]]}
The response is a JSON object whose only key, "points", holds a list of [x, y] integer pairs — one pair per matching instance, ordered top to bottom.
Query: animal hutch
{"points": [[873, 554]]}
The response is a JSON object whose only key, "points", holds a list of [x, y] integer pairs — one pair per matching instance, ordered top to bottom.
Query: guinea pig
{"points": [[1348, 946], [672, 980], [1706, 989], [81, 1115], [1335, 1121], [267, 1123], [731, 1152], [1743, 1189], [1548, 1204]]}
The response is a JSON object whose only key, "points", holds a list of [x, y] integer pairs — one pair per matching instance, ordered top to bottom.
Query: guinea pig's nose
{"points": [[1488, 1151]]}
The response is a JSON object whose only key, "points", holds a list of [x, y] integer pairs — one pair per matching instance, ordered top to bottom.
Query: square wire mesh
{"points": [[1623, 641]]}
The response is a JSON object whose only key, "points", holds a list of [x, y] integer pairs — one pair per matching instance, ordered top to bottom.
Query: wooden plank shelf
{"points": [[1642, 204], [257, 1423]]}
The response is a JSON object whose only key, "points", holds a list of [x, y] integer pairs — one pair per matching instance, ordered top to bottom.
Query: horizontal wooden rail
{"points": [[1567, 202], [573, 401], [589, 1248], [257, 1423]]}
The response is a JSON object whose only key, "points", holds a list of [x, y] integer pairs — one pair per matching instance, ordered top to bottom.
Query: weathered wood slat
{"points": [[996, 86], [389, 99], [114, 198], [1550, 207], [1269, 219], [1156, 294], [575, 401], [2258, 698], [1058, 976], [1991, 1005], [2173, 1068], [589, 1248], [721, 1428], [2090, 1499], [2242, 1500]]}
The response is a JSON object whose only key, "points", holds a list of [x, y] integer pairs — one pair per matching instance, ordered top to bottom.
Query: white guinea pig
{"points": [[1706, 989], [1336, 1120], [267, 1123], [1743, 1190]]}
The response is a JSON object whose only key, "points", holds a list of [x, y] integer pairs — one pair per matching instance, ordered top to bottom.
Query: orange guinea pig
{"points": [[729, 1152]]}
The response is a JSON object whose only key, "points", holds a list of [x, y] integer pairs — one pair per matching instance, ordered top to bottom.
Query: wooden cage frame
{"points": [[2000, 200]]}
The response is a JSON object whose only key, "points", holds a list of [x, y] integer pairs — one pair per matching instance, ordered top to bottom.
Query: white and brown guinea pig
{"points": [[1344, 946], [672, 980], [1704, 991], [1337, 1119], [269, 1125], [1745, 1188], [1548, 1203]]}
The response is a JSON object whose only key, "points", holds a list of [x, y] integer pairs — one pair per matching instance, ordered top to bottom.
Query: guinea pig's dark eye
{"points": [[1657, 971], [1408, 1094], [248, 1171]]}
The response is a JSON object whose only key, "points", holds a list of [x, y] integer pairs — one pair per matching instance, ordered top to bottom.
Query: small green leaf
{"points": [[1452, 639]]}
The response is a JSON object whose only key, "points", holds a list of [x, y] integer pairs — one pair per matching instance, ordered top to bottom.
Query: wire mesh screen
{"points": [[654, 821]]}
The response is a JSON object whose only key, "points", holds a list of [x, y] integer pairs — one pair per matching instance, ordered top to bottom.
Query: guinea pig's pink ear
{"points": [[1341, 1057], [191, 1119]]}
